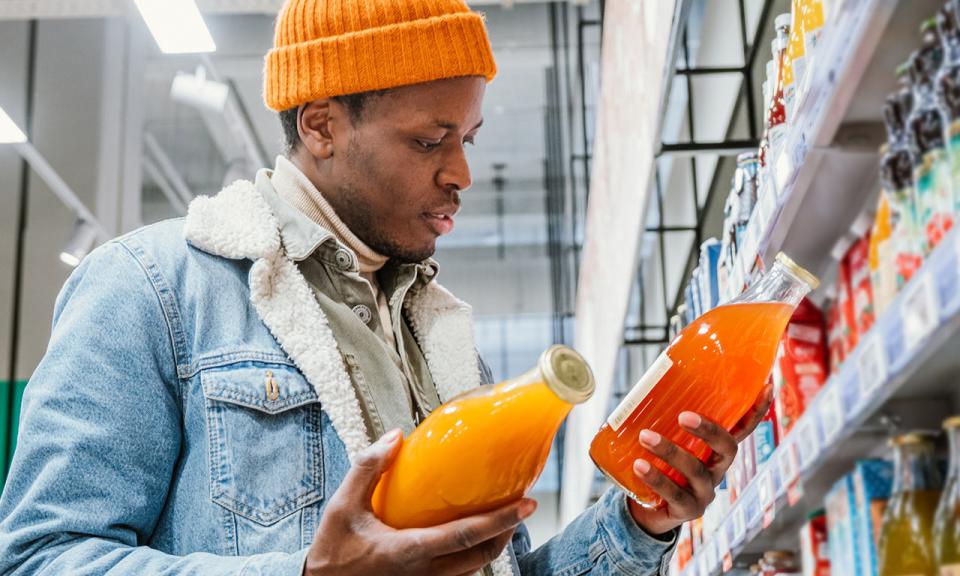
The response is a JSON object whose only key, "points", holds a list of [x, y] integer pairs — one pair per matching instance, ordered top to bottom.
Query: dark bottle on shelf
{"points": [[948, 89], [931, 168], [896, 178]]}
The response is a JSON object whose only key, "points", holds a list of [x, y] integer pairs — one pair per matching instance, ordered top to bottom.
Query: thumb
{"points": [[369, 466]]}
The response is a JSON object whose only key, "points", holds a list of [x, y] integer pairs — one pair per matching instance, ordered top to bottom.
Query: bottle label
{"points": [[954, 144], [934, 197], [640, 390]]}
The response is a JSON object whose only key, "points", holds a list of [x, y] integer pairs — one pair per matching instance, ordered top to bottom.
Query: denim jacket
{"points": [[192, 413]]}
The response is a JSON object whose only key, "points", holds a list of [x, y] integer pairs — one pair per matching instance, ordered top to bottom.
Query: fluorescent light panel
{"points": [[176, 25], [10, 133]]}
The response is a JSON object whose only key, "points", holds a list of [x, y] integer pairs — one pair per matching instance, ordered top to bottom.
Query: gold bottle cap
{"points": [[799, 271], [567, 374], [952, 422], [912, 438]]}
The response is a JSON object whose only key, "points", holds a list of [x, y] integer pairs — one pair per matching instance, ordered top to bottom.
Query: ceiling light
{"points": [[176, 25], [196, 90], [10, 133], [80, 244]]}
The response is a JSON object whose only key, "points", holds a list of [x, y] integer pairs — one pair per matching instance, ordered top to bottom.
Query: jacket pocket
{"points": [[263, 433]]}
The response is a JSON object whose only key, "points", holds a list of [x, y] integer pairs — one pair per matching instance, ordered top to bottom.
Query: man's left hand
{"points": [[687, 503]]}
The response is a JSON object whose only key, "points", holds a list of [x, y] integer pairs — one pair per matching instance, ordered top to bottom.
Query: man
{"points": [[222, 393]]}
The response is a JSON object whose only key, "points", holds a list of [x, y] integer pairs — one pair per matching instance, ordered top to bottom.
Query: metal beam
{"points": [[722, 148], [168, 169]]}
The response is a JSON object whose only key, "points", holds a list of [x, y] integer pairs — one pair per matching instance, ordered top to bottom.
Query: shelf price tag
{"points": [[783, 171], [767, 207], [919, 311], [872, 365], [831, 413], [808, 441], [768, 496], [739, 525], [723, 549]]}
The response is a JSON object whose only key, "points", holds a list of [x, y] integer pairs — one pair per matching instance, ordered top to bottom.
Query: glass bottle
{"points": [[795, 58], [948, 90], [777, 112], [931, 169], [896, 178], [716, 367], [484, 448], [946, 532], [906, 542]]}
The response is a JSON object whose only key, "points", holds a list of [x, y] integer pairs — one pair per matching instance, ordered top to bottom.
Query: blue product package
{"points": [[709, 279], [689, 312], [765, 440], [872, 485], [840, 504]]}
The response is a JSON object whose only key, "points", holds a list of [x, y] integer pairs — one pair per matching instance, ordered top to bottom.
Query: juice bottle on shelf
{"points": [[813, 20], [795, 60], [948, 90], [777, 112], [931, 168], [896, 178], [883, 272], [716, 367], [484, 448], [946, 533], [906, 540]]}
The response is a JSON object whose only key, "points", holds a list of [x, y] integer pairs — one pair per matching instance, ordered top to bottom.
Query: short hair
{"points": [[354, 103]]}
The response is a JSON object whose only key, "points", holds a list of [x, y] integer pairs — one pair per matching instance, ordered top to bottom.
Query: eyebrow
{"points": [[453, 126]]}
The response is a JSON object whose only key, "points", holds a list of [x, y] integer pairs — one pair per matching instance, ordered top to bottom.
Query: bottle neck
{"points": [[778, 285], [953, 437], [915, 469]]}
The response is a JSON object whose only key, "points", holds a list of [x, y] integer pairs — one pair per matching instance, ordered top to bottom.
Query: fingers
{"points": [[745, 426], [723, 444], [369, 465], [696, 472], [680, 503], [467, 533], [470, 561]]}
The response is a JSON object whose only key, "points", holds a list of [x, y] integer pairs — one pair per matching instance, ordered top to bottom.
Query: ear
{"points": [[317, 123]]}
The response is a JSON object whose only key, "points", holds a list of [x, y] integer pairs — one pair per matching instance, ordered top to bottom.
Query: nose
{"points": [[455, 172]]}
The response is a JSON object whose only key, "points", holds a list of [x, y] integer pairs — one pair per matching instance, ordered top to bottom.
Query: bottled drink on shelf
{"points": [[813, 21], [795, 57], [948, 90], [776, 126], [931, 168], [896, 177], [745, 190], [716, 367], [484, 448], [947, 525], [906, 540], [779, 563]]}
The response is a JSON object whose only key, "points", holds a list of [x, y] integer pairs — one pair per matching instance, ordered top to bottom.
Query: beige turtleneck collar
{"points": [[296, 189]]}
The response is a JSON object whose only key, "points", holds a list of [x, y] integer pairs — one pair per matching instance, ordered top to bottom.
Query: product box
{"points": [[858, 266], [709, 269], [848, 314], [835, 353], [800, 370], [765, 436], [872, 485], [840, 506], [814, 546]]}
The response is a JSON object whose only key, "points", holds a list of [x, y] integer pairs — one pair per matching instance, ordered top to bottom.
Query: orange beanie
{"points": [[325, 48]]}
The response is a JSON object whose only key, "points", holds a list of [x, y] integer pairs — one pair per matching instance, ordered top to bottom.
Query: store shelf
{"points": [[828, 169], [901, 369]]}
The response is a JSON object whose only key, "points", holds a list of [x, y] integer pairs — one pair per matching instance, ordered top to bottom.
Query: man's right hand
{"points": [[352, 540]]}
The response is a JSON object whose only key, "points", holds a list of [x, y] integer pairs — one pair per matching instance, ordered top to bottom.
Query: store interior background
{"points": [[85, 80]]}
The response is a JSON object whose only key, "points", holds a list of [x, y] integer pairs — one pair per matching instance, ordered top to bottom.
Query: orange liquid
{"points": [[720, 365], [480, 451]]}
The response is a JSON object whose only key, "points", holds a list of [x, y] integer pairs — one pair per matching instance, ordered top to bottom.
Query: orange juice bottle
{"points": [[717, 367], [484, 448]]}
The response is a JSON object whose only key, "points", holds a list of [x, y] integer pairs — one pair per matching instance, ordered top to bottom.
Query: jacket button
{"points": [[344, 259], [363, 313]]}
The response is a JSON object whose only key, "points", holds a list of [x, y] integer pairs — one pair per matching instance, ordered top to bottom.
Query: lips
{"points": [[440, 223]]}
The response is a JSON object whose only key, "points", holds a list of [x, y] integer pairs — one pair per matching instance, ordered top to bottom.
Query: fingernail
{"points": [[690, 420], [391, 436], [649, 437], [641, 466], [527, 507]]}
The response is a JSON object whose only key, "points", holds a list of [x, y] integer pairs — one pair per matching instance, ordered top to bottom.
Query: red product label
{"points": [[861, 291], [848, 316], [834, 337], [801, 367]]}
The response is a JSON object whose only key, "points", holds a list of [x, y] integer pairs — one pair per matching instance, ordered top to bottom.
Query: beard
{"points": [[357, 214]]}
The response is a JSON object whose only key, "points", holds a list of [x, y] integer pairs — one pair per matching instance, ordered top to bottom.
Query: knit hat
{"points": [[325, 48]]}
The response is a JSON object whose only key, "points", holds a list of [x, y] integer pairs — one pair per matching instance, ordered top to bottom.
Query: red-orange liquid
{"points": [[720, 365]]}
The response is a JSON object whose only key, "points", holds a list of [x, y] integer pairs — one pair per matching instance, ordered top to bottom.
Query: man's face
{"points": [[398, 172]]}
